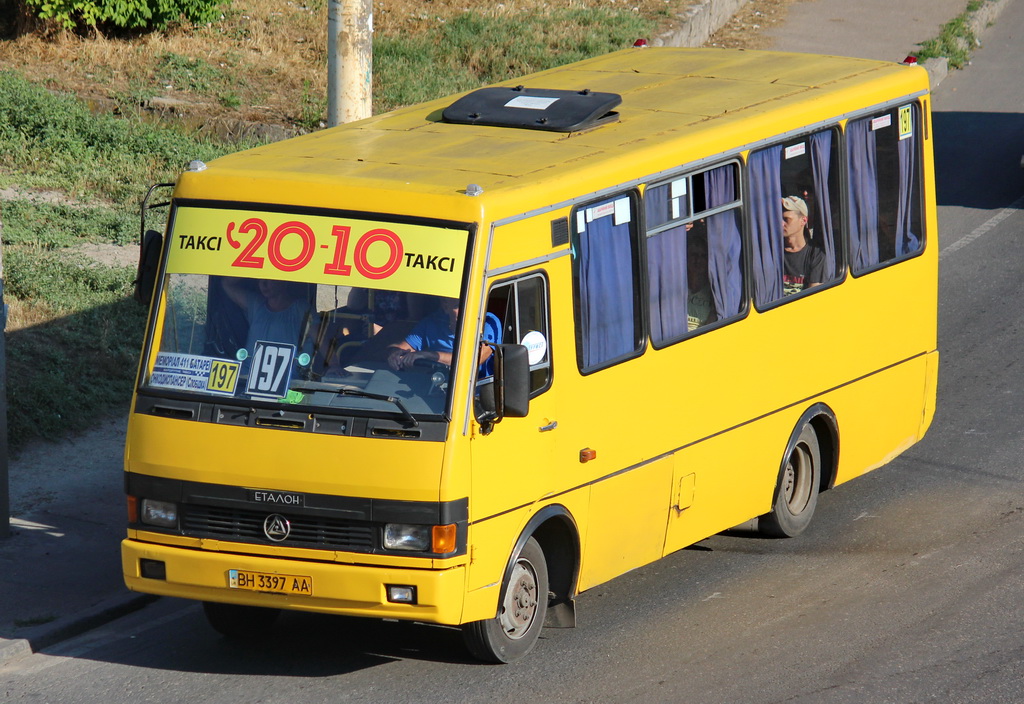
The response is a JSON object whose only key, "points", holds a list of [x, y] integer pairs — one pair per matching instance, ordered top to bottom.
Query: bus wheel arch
{"points": [[808, 467], [537, 589]]}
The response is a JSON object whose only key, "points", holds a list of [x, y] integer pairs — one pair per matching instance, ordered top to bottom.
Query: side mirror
{"points": [[149, 263], [508, 395]]}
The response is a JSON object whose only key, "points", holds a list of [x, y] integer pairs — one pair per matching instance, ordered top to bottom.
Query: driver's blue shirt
{"points": [[434, 333]]}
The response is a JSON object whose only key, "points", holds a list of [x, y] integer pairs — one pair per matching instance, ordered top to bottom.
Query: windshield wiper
{"points": [[349, 391], [352, 391]]}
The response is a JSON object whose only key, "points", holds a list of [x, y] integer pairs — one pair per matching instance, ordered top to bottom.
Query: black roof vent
{"points": [[534, 109]]}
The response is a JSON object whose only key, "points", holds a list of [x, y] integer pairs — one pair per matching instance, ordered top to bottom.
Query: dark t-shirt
{"points": [[802, 269]]}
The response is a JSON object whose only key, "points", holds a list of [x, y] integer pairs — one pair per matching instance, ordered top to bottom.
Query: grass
{"points": [[956, 38], [473, 49], [73, 333]]}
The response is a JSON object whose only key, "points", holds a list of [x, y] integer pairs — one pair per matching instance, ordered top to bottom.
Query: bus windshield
{"points": [[308, 311]]}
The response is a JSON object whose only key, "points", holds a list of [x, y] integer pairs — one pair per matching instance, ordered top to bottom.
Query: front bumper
{"points": [[346, 589]]}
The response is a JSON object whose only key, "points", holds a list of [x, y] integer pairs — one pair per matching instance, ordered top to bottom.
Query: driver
{"points": [[433, 338]]}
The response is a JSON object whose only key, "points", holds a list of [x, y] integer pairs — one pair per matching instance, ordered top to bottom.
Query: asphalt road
{"points": [[907, 588]]}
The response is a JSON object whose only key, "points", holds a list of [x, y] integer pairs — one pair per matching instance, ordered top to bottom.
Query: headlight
{"points": [[159, 513], [403, 536]]}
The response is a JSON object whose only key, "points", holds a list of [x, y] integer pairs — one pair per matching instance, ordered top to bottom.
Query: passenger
{"points": [[804, 265], [700, 304], [277, 311], [433, 338]]}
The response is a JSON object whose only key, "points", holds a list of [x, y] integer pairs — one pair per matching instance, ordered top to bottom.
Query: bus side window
{"points": [[885, 187], [794, 214], [694, 253], [606, 275], [522, 307]]}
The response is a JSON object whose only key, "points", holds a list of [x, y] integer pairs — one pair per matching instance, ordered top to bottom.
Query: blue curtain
{"points": [[821, 162], [863, 194], [765, 199], [906, 240], [725, 250], [666, 270], [607, 296]]}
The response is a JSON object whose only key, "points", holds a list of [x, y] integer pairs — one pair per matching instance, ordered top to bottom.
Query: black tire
{"points": [[796, 493], [235, 621], [514, 631]]}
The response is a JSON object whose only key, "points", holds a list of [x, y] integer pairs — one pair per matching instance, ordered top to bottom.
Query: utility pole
{"points": [[349, 60], [5, 493]]}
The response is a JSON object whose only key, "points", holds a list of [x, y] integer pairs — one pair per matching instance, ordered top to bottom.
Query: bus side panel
{"points": [[879, 417], [734, 479], [631, 530]]}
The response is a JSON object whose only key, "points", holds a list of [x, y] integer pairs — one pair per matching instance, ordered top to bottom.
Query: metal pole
{"points": [[349, 60], [5, 494]]}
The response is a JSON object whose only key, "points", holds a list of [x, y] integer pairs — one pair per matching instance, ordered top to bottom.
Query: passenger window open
{"points": [[794, 214], [522, 308]]}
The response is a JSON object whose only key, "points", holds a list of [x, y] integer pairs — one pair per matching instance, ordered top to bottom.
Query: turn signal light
{"points": [[443, 539]]}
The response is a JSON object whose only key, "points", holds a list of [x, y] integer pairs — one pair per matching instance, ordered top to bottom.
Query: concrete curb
{"points": [[699, 22], [38, 637]]}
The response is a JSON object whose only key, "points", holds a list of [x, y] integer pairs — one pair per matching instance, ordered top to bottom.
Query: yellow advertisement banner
{"points": [[336, 251]]}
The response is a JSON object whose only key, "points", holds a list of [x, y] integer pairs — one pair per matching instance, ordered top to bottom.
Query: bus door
{"points": [[512, 464]]}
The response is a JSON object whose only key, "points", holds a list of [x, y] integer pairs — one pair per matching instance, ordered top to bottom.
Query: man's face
{"points": [[792, 223], [271, 288], [451, 307]]}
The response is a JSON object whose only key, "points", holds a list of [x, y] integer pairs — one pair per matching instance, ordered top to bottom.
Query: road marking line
{"points": [[982, 229]]}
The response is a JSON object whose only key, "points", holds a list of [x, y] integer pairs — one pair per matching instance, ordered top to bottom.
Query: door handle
{"points": [[550, 426]]}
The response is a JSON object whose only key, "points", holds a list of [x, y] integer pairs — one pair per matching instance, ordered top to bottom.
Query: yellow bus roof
{"points": [[678, 105]]}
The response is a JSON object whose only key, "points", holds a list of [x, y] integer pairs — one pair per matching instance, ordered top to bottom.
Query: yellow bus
{"points": [[461, 362]]}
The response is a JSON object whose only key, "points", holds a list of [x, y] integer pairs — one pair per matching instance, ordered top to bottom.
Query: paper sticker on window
{"points": [[531, 102], [880, 122], [906, 122], [796, 150], [677, 189], [600, 211], [623, 213], [536, 346], [190, 372]]}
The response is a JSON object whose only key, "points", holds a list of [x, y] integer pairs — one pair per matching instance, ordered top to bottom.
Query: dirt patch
{"points": [[746, 30]]}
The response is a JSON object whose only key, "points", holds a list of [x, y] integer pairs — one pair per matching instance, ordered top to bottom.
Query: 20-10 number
{"points": [[338, 265]]}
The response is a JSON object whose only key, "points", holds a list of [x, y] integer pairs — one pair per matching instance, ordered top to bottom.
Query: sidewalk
{"points": [[60, 571]]}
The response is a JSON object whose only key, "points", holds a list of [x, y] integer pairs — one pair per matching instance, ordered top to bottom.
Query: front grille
{"points": [[247, 526]]}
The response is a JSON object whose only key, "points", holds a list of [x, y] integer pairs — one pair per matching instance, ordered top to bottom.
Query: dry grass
{"points": [[266, 61]]}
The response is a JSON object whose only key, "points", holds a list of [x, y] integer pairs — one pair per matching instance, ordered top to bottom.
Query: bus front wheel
{"points": [[797, 492], [514, 631]]}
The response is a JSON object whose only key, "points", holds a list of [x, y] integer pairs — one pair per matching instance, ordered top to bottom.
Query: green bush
{"points": [[126, 14]]}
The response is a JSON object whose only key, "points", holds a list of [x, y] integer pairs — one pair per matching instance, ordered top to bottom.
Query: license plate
{"points": [[275, 583]]}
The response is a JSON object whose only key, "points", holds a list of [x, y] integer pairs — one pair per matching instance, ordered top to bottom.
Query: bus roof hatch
{"points": [[534, 109]]}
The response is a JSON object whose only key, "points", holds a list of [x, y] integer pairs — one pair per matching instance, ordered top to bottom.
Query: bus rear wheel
{"points": [[797, 492], [236, 621], [514, 631]]}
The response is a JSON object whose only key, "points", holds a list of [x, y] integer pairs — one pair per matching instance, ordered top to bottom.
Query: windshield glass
{"points": [[308, 310]]}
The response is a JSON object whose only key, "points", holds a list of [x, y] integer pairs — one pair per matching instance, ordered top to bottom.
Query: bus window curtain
{"points": [[821, 162], [863, 194], [765, 200], [906, 240], [725, 250], [666, 267], [666, 270], [608, 325]]}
